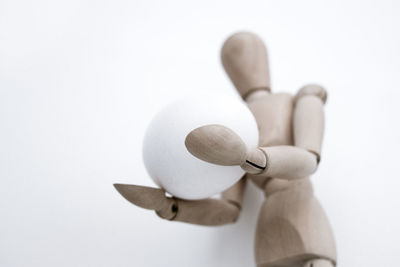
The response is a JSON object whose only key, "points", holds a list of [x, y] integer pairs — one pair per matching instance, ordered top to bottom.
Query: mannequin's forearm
{"points": [[287, 162], [208, 211]]}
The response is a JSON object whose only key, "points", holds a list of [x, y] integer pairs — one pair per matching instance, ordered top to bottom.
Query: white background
{"points": [[80, 81]]}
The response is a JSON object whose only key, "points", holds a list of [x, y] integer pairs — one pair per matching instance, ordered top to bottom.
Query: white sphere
{"points": [[169, 163]]}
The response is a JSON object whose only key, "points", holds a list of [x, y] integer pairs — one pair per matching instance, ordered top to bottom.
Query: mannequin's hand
{"points": [[149, 198]]}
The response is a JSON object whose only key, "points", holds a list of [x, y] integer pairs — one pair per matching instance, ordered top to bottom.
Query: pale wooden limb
{"points": [[245, 60], [313, 89], [257, 95], [273, 114], [308, 122], [216, 144], [220, 145], [288, 162], [235, 193], [143, 196], [148, 198], [203, 212], [209, 212], [213, 212], [292, 227]]}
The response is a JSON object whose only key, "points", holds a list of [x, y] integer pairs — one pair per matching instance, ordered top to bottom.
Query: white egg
{"points": [[169, 163]]}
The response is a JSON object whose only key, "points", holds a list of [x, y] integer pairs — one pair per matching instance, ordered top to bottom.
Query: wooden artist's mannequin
{"points": [[292, 228]]}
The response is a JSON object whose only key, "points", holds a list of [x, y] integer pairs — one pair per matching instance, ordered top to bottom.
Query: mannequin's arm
{"points": [[308, 119], [220, 145], [301, 160], [287, 162], [209, 211], [202, 212]]}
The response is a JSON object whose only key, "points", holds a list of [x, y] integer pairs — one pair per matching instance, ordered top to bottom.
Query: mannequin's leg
{"points": [[292, 228]]}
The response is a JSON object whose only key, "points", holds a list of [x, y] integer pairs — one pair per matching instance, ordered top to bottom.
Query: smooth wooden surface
{"points": [[245, 60], [313, 89], [256, 95], [273, 114], [308, 122], [216, 144], [220, 145], [256, 161], [289, 162], [235, 193], [142, 196], [208, 211], [212, 212], [293, 228]]}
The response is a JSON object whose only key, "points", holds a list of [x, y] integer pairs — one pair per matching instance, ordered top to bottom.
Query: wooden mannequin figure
{"points": [[292, 228]]}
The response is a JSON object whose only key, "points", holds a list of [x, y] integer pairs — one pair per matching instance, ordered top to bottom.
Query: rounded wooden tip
{"points": [[245, 60], [312, 89], [216, 144], [142, 196]]}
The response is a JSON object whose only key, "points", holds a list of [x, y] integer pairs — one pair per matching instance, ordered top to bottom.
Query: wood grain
{"points": [[245, 60], [308, 122], [216, 144], [289, 162], [293, 228]]}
